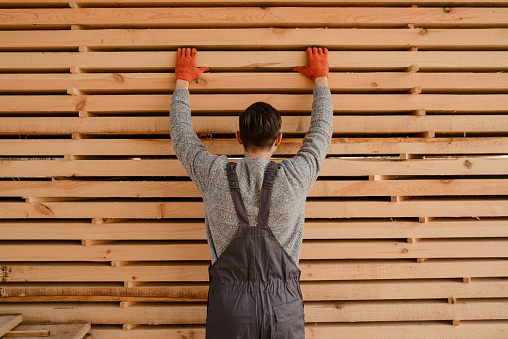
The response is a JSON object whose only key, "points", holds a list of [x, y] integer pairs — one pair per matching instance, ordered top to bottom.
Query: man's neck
{"points": [[259, 154]]}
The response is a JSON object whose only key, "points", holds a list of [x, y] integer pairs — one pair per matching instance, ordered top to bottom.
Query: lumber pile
{"points": [[407, 225]]}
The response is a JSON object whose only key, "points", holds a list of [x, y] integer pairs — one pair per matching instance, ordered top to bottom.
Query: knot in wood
{"points": [[447, 9], [423, 31], [118, 78], [80, 104], [468, 164], [43, 209]]}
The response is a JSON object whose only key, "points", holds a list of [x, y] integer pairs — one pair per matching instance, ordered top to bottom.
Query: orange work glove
{"points": [[317, 63], [185, 67]]}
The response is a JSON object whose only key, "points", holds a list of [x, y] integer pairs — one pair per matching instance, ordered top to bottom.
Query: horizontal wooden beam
{"points": [[193, 3], [249, 17], [269, 38], [164, 61], [251, 82], [236, 103], [348, 125], [289, 146], [330, 167], [321, 188], [314, 209], [192, 230], [311, 249], [198, 271], [312, 291], [104, 313], [420, 330]]}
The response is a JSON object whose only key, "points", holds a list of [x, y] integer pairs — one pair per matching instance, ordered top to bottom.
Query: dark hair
{"points": [[259, 125]]}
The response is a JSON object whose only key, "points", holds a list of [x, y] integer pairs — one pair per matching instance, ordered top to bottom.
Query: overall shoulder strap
{"points": [[234, 188], [266, 193]]}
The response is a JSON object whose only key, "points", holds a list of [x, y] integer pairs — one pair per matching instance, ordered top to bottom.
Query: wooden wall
{"points": [[407, 229]]}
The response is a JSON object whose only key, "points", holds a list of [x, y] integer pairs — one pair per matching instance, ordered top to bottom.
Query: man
{"points": [[255, 209]]}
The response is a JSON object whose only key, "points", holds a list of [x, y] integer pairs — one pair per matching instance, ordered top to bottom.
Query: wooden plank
{"points": [[192, 3], [249, 17], [268, 38], [163, 61], [249, 82], [236, 103], [347, 125], [289, 146], [330, 167], [321, 188], [314, 209], [177, 230], [311, 249], [311, 270], [312, 291], [104, 313], [9, 321], [421, 330], [57, 331], [27, 334]]}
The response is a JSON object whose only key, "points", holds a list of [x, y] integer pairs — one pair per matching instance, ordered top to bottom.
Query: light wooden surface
{"points": [[407, 225], [9, 321], [54, 331]]}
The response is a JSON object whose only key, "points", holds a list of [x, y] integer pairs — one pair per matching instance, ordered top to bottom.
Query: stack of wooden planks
{"points": [[407, 225]]}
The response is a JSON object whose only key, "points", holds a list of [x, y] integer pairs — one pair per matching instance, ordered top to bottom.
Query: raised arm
{"points": [[318, 138], [188, 147]]}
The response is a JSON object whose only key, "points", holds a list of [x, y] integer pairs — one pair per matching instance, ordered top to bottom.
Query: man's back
{"points": [[292, 183]]}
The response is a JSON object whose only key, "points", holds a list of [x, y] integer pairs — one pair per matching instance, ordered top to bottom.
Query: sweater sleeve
{"points": [[189, 149], [307, 162]]}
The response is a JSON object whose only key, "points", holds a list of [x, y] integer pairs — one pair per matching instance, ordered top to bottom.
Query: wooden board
{"points": [[102, 3], [222, 17], [236, 38], [231, 60], [119, 83], [285, 103], [343, 125], [289, 146], [330, 167], [314, 209], [167, 229], [389, 249], [312, 270], [312, 291], [109, 313], [9, 321], [420, 330], [57, 331]]}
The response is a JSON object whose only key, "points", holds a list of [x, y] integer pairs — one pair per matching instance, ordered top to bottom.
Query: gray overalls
{"points": [[254, 287]]}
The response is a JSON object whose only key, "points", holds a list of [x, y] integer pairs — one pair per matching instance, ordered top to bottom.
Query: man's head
{"points": [[259, 127]]}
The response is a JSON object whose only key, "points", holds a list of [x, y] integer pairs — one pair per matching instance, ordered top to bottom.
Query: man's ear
{"points": [[238, 138], [278, 139]]}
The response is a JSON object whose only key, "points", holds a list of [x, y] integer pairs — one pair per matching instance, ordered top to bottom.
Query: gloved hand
{"points": [[317, 63], [185, 67]]}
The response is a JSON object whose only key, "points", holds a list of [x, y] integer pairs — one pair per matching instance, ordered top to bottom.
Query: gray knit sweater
{"points": [[290, 188]]}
